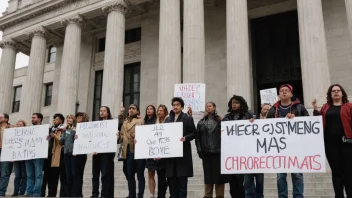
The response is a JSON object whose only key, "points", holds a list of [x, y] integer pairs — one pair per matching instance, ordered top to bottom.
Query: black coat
{"points": [[208, 141], [182, 166]]}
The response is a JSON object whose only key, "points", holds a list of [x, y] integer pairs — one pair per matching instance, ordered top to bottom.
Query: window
{"points": [[133, 35], [101, 45], [52, 54], [132, 84], [98, 86], [48, 94], [17, 99]]}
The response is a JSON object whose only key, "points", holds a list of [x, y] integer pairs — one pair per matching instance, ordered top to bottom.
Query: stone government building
{"points": [[134, 51]]}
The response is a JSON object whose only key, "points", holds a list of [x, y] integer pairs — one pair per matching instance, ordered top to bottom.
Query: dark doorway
{"points": [[276, 53]]}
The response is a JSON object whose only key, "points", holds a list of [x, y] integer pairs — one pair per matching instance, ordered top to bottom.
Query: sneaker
{"points": [[14, 195]]}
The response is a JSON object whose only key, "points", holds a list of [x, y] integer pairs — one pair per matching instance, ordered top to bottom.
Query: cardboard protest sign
{"points": [[192, 94], [268, 96], [99, 137], [159, 141], [25, 143], [273, 146]]}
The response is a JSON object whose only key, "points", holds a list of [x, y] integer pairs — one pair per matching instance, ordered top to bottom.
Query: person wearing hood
{"points": [[288, 107], [237, 110], [127, 139], [180, 168]]}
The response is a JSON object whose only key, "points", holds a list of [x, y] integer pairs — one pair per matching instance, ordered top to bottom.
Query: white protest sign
{"points": [[192, 94], [268, 96], [99, 137], [159, 141], [25, 143], [273, 146]]}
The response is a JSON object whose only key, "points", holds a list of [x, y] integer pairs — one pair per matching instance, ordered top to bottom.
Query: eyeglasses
{"points": [[285, 90], [336, 91]]}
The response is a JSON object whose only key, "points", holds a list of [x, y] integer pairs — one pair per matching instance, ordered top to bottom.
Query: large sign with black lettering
{"points": [[96, 137], [159, 141], [25, 143], [273, 146]]}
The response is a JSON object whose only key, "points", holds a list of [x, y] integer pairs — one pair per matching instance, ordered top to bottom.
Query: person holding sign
{"points": [[289, 108], [237, 110], [338, 137], [127, 139], [208, 142], [103, 163], [6, 167], [34, 167], [179, 169]]}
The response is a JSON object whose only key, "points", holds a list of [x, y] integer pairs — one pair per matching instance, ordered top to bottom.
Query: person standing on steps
{"points": [[288, 107], [237, 110], [337, 117], [127, 139], [208, 142], [103, 163], [6, 167], [179, 169], [20, 182]]}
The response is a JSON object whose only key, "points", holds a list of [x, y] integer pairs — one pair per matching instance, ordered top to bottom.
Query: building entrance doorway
{"points": [[276, 54]]}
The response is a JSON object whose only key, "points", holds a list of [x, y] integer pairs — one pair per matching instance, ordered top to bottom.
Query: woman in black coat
{"points": [[208, 143]]}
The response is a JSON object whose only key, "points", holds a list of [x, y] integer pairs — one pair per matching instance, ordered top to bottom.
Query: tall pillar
{"points": [[348, 4], [193, 41], [114, 56], [314, 56], [238, 68], [7, 69], [169, 71], [69, 75], [32, 88]]}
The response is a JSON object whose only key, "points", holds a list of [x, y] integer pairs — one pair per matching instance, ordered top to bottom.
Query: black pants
{"points": [[339, 156], [103, 163], [46, 169], [74, 172], [53, 180], [162, 184], [236, 186], [178, 187]]}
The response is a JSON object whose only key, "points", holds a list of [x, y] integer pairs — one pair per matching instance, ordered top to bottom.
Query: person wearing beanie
{"points": [[289, 108]]}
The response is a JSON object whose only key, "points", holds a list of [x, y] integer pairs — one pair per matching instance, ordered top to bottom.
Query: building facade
{"points": [[114, 52]]}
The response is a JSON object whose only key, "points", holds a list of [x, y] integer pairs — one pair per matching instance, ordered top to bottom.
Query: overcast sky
{"points": [[22, 60]]}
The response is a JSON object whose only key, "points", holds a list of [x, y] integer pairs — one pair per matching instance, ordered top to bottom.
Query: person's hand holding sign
{"points": [[314, 103], [189, 111], [290, 115], [183, 139]]}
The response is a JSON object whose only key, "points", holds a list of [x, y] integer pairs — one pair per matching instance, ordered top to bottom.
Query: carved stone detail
{"points": [[118, 5], [76, 19], [40, 31], [9, 43]]}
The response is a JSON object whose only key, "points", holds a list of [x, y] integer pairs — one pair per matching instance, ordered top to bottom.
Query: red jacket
{"points": [[346, 117]]}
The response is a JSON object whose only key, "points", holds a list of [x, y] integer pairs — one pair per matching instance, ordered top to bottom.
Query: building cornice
{"points": [[32, 11]]}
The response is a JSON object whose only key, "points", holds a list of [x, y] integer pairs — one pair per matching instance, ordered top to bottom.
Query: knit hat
{"points": [[288, 86]]}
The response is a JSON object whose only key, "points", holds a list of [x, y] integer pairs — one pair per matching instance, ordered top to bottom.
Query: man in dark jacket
{"points": [[289, 108], [179, 169]]}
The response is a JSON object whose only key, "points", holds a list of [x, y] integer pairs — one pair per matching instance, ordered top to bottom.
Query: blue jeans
{"points": [[133, 167], [6, 169], [34, 170], [20, 183], [298, 185], [254, 190]]}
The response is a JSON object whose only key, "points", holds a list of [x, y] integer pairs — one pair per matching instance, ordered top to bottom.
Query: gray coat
{"points": [[67, 139]]}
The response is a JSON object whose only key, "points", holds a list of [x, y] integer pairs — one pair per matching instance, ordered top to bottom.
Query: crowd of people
{"points": [[33, 177]]}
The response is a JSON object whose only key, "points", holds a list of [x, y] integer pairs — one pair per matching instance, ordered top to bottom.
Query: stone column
{"points": [[348, 4], [193, 41], [314, 57], [238, 67], [7, 69], [169, 71], [69, 75], [32, 88], [112, 92]]}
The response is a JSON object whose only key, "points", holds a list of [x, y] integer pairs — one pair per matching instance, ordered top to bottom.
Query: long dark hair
{"points": [[329, 98], [243, 103], [109, 113], [215, 113], [146, 115]]}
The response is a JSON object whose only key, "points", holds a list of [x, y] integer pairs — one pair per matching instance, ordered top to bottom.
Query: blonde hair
{"points": [[74, 121], [23, 122]]}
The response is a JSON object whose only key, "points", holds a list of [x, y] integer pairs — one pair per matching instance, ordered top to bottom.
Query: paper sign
{"points": [[192, 94], [268, 96], [99, 137], [159, 141], [25, 143], [273, 146]]}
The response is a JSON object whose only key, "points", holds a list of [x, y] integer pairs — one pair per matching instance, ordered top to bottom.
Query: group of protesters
{"points": [[32, 177]]}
